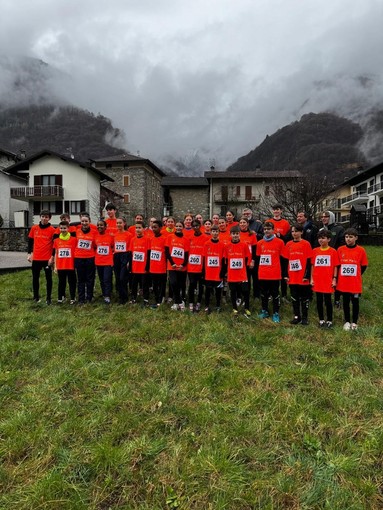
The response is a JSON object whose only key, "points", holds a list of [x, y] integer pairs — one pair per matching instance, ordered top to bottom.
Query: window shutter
{"points": [[37, 180], [59, 180], [83, 205], [67, 206], [59, 207], [36, 208]]}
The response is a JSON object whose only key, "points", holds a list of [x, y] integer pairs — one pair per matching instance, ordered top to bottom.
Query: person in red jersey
{"points": [[66, 217], [111, 219], [215, 219], [230, 220], [207, 224], [92, 226], [132, 228], [169, 228], [188, 229], [282, 230], [224, 233], [249, 237], [40, 246], [63, 253], [177, 253], [269, 253], [298, 254], [84, 256], [237, 258], [104, 259], [120, 259], [139, 263], [353, 263], [157, 265], [195, 265], [214, 268], [324, 271]]}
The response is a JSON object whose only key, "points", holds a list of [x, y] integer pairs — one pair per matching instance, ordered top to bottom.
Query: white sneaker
{"points": [[239, 301], [182, 306], [174, 307], [191, 307], [346, 326], [354, 326]]}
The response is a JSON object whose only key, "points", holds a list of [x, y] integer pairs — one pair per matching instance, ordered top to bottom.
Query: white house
{"points": [[59, 184], [8, 206]]}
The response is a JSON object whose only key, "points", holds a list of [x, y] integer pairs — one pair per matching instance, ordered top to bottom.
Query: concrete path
{"points": [[13, 260]]}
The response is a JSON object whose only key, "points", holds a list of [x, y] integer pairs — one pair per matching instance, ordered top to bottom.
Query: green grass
{"points": [[127, 408]]}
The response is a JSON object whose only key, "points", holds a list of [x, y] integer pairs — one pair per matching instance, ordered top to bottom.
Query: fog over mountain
{"points": [[199, 81]]}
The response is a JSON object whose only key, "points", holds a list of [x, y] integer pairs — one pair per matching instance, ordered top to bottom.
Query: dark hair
{"points": [[110, 206], [277, 206], [45, 212], [303, 212], [84, 213], [64, 215], [101, 220], [180, 221], [64, 222], [139, 222], [157, 222], [196, 223], [268, 224], [215, 227], [298, 227], [235, 229], [351, 232], [324, 233]]}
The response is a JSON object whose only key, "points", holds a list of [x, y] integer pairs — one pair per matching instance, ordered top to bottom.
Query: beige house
{"points": [[136, 183], [59, 184], [238, 190]]}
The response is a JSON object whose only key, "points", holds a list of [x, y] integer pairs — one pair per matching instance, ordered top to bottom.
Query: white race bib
{"points": [[84, 244], [120, 246], [102, 250], [64, 253], [179, 253], [155, 255], [138, 256], [195, 260], [265, 260], [322, 261], [213, 262], [236, 263], [295, 265], [348, 269]]}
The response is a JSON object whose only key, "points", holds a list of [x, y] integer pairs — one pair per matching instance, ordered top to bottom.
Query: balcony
{"points": [[376, 189], [38, 193], [360, 197], [232, 198], [375, 211]]}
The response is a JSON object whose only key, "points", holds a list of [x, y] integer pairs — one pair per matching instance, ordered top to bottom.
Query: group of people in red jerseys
{"points": [[196, 257]]}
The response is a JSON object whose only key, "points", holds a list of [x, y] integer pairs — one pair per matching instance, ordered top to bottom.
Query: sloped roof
{"points": [[126, 157], [24, 164], [254, 175], [185, 181]]}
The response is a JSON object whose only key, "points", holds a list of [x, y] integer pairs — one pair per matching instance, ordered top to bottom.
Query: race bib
{"points": [[84, 244], [120, 246], [103, 250], [178, 252], [64, 253], [155, 255], [138, 256], [195, 260], [265, 260], [322, 261], [213, 262], [236, 263], [295, 265], [348, 269]]}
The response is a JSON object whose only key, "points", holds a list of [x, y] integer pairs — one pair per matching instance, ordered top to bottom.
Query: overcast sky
{"points": [[212, 77]]}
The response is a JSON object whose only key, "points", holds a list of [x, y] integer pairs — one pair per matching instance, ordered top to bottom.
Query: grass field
{"points": [[125, 408]]}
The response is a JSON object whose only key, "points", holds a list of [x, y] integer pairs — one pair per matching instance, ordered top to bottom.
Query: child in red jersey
{"points": [[111, 219], [230, 220], [207, 224], [132, 228], [169, 228], [188, 229], [282, 230], [224, 233], [249, 237], [40, 246], [63, 252], [269, 252], [177, 253], [298, 254], [84, 255], [237, 258], [104, 259], [120, 259], [139, 263], [353, 263], [157, 265], [195, 265], [214, 268], [324, 270]]}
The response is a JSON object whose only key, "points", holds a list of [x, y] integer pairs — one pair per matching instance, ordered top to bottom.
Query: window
{"points": [[108, 165], [126, 165], [48, 180], [126, 180], [248, 192], [224, 193], [126, 198], [53, 207], [75, 207]]}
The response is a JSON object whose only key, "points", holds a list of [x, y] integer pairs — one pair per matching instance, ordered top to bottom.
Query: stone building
{"points": [[137, 185], [185, 194]]}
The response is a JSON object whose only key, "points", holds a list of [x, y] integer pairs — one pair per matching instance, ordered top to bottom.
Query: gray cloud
{"points": [[207, 78]]}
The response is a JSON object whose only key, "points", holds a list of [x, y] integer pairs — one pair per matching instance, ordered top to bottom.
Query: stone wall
{"points": [[195, 200], [13, 239]]}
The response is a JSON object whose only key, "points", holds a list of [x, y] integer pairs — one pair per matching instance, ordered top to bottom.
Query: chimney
{"points": [[23, 154]]}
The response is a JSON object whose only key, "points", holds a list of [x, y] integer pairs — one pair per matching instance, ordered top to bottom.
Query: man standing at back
{"points": [[254, 225], [310, 231]]}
